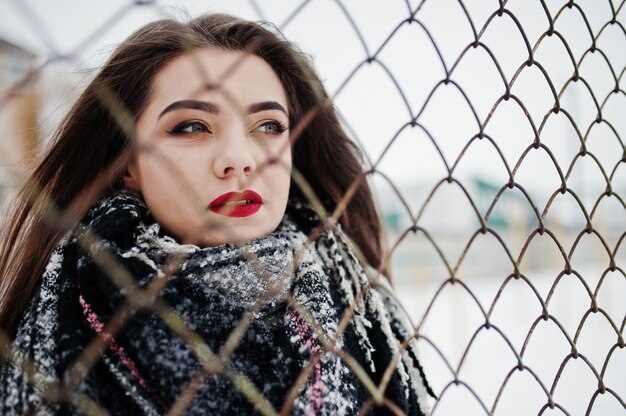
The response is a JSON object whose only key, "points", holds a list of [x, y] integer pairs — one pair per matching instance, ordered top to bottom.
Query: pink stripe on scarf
{"points": [[98, 326], [316, 385]]}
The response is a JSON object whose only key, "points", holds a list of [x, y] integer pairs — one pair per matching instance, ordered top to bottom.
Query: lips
{"points": [[237, 204]]}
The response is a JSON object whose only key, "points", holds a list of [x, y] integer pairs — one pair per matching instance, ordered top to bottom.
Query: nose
{"points": [[234, 159]]}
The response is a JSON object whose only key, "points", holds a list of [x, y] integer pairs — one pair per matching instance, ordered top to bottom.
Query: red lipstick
{"points": [[237, 204]]}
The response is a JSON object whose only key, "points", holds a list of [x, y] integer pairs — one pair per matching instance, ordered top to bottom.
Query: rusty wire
{"points": [[414, 212]]}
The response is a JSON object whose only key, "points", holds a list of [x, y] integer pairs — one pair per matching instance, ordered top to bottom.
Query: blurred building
{"points": [[34, 97], [19, 134], [450, 221]]}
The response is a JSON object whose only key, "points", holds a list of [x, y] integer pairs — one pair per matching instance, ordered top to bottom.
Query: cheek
{"points": [[274, 163], [173, 167], [282, 170], [171, 182], [172, 195]]}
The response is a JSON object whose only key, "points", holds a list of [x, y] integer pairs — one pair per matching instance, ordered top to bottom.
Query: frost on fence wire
{"points": [[494, 137]]}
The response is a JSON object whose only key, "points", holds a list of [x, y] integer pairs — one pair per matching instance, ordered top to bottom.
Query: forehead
{"points": [[237, 75]]}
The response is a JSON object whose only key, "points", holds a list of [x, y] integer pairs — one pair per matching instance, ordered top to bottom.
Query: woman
{"points": [[206, 274]]}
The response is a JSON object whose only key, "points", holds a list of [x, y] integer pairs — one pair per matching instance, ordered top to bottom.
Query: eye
{"points": [[189, 127], [271, 127]]}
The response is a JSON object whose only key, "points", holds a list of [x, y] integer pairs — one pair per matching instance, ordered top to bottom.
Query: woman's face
{"points": [[214, 164]]}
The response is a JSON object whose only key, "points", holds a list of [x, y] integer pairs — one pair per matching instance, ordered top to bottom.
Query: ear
{"points": [[130, 179]]}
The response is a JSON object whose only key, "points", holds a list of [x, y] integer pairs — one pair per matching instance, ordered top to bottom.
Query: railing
{"points": [[494, 138]]}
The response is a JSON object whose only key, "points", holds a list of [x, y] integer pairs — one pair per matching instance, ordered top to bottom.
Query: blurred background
{"points": [[495, 134]]}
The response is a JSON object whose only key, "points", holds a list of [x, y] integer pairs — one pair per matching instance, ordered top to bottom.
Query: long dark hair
{"points": [[90, 149]]}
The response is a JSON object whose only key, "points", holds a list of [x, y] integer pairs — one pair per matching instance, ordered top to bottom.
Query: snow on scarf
{"points": [[291, 290]]}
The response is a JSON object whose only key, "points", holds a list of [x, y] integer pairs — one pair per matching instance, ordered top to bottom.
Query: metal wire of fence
{"points": [[493, 132]]}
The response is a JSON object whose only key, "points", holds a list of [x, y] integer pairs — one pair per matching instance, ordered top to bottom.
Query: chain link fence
{"points": [[494, 138]]}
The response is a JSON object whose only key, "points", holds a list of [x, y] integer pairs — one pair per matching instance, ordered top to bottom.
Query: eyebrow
{"points": [[265, 105], [215, 109]]}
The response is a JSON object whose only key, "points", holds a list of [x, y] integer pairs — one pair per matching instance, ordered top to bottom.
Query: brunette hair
{"points": [[90, 149]]}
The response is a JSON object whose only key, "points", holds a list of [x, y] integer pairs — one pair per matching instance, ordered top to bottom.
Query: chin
{"points": [[228, 231], [219, 238]]}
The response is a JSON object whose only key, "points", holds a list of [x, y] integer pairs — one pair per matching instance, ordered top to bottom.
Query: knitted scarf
{"points": [[290, 291]]}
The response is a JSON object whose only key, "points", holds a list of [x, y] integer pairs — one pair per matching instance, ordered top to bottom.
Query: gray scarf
{"points": [[291, 293]]}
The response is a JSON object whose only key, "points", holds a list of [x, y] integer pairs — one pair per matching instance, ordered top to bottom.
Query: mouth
{"points": [[237, 204]]}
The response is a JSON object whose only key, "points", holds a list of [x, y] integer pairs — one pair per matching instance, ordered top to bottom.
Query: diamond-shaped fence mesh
{"points": [[493, 134]]}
